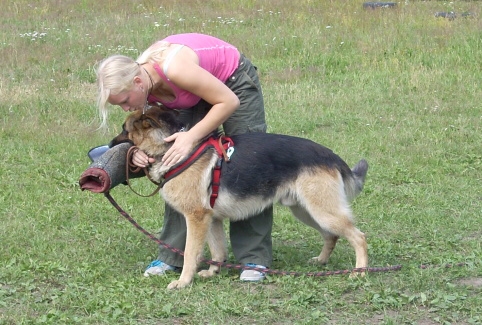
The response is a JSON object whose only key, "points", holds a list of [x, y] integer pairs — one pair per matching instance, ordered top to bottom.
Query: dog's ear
{"points": [[157, 117], [147, 123], [142, 124]]}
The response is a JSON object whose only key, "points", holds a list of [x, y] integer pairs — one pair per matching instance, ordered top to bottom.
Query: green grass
{"points": [[398, 87]]}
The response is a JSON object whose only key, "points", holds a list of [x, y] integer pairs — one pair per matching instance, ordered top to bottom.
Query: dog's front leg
{"points": [[197, 228], [217, 246]]}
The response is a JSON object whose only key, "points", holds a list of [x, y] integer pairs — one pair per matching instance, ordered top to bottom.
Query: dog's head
{"points": [[148, 129]]}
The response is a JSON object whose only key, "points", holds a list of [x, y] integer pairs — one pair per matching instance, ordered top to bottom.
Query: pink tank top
{"points": [[219, 58]]}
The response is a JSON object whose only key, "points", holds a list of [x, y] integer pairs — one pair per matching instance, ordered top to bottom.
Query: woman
{"points": [[211, 84]]}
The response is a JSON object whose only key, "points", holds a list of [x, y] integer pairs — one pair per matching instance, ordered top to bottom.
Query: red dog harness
{"points": [[220, 144]]}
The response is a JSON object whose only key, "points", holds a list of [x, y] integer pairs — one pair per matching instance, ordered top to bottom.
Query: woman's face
{"points": [[130, 100]]}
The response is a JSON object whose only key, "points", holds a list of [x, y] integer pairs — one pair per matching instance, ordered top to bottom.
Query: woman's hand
{"points": [[183, 145], [140, 159]]}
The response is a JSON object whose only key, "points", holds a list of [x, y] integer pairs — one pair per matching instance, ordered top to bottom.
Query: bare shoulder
{"points": [[160, 47], [179, 59], [186, 73]]}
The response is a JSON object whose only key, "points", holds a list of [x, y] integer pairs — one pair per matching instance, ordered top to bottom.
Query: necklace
{"points": [[148, 91]]}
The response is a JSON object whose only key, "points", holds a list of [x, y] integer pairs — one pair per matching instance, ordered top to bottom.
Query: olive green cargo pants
{"points": [[251, 238]]}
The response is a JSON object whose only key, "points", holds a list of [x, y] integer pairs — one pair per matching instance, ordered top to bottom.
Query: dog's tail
{"points": [[354, 185]]}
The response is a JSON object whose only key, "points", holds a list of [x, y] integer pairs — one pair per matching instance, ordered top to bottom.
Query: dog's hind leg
{"points": [[324, 199], [197, 225], [337, 225], [329, 239], [357, 240], [217, 246], [328, 247]]}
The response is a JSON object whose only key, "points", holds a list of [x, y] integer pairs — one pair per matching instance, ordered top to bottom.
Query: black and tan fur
{"points": [[265, 168]]}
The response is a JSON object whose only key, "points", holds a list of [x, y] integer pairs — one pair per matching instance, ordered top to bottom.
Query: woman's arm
{"points": [[185, 73]]}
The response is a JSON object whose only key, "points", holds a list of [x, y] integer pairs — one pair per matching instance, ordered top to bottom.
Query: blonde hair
{"points": [[153, 53], [116, 74]]}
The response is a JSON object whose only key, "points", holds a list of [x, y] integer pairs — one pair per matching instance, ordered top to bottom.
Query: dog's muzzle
{"points": [[108, 168]]}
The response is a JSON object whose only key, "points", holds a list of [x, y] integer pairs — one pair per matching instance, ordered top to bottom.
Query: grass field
{"points": [[399, 87]]}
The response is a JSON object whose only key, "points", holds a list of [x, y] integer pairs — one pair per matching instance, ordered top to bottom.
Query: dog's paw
{"points": [[317, 260], [206, 273], [357, 274], [177, 284]]}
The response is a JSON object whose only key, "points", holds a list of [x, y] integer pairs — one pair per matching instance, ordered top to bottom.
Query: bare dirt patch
{"points": [[471, 282]]}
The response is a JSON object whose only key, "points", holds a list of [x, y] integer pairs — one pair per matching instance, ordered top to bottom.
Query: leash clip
{"points": [[230, 152]]}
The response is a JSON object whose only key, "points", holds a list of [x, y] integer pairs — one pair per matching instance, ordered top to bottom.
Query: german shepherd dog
{"points": [[264, 168]]}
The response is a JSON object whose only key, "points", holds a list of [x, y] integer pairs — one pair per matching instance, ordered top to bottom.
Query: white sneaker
{"points": [[159, 268], [253, 275]]}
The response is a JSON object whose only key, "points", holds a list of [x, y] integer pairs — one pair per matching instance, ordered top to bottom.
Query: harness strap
{"points": [[220, 144], [216, 182]]}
